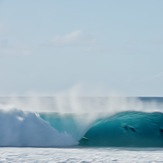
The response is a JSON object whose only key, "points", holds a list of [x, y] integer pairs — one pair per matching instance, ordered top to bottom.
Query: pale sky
{"points": [[53, 45]]}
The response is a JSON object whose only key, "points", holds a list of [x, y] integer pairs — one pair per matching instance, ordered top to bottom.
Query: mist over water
{"points": [[80, 99], [84, 102], [80, 105], [67, 117]]}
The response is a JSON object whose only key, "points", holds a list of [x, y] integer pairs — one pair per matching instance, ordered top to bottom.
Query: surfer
{"points": [[129, 128]]}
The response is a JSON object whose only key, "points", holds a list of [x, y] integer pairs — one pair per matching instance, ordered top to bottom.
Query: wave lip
{"points": [[126, 129]]}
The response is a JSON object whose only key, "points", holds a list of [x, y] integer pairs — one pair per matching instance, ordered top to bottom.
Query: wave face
{"points": [[66, 123], [126, 129]]}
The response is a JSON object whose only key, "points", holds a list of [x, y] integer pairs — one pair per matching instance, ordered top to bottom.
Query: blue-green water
{"points": [[103, 125]]}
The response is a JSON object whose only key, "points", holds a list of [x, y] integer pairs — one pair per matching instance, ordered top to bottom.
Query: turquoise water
{"points": [[135, 125], [125, 129]]}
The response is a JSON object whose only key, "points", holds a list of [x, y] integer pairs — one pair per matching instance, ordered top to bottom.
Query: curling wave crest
{"points": [[24, 129]]}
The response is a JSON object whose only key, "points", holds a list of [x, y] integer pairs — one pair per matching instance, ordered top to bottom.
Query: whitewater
{"points": [[78, 129]]}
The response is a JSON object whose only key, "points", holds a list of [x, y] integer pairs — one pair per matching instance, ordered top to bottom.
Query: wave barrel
{"points": [[126, 129]]}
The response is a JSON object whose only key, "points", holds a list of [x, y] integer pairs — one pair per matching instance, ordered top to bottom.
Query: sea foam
{"points": [[24, 129]]}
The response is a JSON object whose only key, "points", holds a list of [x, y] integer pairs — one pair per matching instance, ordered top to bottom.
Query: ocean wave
{"points": [[88, 122], [27, 129], [126, 129]]}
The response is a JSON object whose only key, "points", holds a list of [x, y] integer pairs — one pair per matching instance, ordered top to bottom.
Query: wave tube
{"points": [[126, 129]]}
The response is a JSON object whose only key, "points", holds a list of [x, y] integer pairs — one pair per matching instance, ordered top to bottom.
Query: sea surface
{"points": [[81, 129], [82, 155]]}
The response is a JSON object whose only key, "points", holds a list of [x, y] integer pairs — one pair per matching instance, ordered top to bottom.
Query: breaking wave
{"points": [[121, 128], [26, 129], [126, 129]]}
